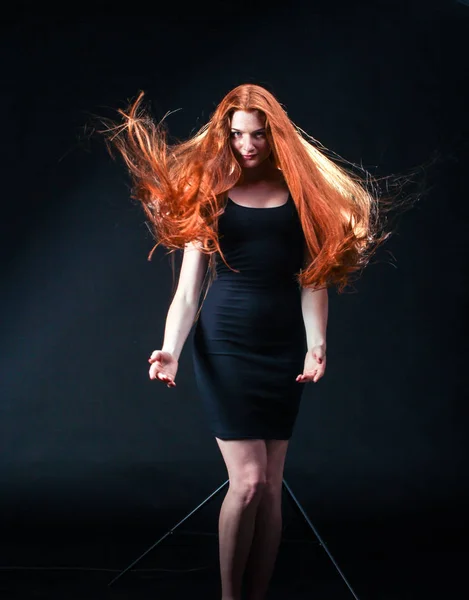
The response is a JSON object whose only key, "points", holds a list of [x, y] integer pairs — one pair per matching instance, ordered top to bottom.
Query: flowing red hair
{"points": [[183, 186]]}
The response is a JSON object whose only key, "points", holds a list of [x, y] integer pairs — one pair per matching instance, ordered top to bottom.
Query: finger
{"points": [[155, 355], [154, 372], [307, 374], [319, 374], [307, 377], [166, 379]]}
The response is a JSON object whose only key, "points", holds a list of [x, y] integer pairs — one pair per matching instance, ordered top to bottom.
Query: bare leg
{"points": [[246, 463], [268, 526], [236, 529], [265, 545]]}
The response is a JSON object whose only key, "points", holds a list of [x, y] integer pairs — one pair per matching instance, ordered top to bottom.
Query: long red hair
{"points": [[183, 186]]}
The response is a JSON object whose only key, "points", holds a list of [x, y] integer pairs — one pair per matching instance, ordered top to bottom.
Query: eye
{"points": [[235, 134], [260, 134]]}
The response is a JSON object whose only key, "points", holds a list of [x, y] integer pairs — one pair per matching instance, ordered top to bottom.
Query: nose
{"points": [[247, 145]]}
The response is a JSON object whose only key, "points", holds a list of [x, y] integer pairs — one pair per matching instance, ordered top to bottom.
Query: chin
{"points": [[249, 164]]}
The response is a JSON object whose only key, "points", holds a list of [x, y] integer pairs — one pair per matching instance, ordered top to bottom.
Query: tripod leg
{"points": [[212, 495], [298, 507]]}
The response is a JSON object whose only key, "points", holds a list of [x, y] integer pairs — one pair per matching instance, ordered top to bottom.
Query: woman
{"points": [[272, 222]]}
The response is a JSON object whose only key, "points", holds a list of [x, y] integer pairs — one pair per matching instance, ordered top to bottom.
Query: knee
{"points": [[249, 487], [273, 489]]}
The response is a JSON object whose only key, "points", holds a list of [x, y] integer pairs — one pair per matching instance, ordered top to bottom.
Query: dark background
{"points": [[91, 449]]}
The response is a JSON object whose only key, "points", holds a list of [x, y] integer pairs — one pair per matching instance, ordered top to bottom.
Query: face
{"points": [[248, 138]]}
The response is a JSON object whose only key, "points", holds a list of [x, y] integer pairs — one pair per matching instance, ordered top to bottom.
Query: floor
{"points": [[351, 564]]}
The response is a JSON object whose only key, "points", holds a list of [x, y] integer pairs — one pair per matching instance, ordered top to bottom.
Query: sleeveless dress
{"points": [[249, 342]]}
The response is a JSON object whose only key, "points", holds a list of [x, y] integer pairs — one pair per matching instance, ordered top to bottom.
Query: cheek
{"points": [[234, 144], [265, 148]]}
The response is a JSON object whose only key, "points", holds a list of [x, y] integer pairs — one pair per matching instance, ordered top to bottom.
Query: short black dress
{"points": [[249, 342]]}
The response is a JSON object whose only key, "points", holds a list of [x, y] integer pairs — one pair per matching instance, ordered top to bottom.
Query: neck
{"points": [[264, 171]]}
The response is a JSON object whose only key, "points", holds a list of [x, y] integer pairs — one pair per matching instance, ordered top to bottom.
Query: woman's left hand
{"points": [[315, 365]]}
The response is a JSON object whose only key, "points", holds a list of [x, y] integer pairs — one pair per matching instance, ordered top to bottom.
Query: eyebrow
{"points": [[256, 131]]}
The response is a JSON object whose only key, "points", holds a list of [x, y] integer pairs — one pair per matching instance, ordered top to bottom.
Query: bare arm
{"points": [[184, 306], [315, 308], [179, 321]]}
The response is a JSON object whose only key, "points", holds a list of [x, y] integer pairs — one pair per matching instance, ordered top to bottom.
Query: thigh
{"points": [[244, 459]]}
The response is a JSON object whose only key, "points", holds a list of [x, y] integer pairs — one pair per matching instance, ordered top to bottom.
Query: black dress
{"points": [[249, 342]]}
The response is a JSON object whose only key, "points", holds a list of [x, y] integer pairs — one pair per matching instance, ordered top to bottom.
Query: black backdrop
{"points": [[88, 441]]}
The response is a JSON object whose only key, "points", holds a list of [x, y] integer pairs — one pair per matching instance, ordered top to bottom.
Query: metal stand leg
{"points": [[212, 495], [296, 505]]}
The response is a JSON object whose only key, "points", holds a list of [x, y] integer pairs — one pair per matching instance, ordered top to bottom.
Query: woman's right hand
{"points": [[163, 367]]}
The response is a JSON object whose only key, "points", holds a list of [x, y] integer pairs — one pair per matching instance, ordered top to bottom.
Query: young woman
{"points": [[269, 222]]}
